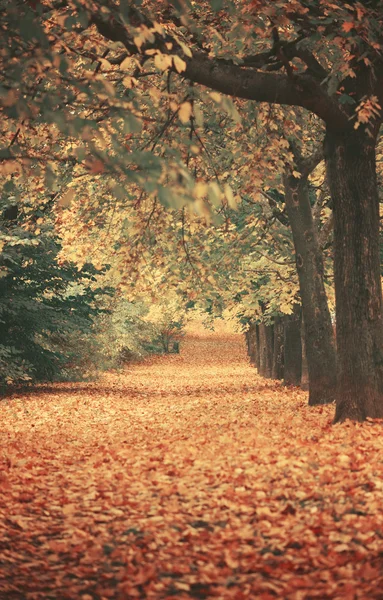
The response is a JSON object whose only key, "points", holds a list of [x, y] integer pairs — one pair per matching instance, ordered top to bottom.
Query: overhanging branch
{"points": [[234, 80]]}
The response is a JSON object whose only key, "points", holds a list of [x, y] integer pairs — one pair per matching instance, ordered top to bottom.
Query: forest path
{"points": [[187, 477]]}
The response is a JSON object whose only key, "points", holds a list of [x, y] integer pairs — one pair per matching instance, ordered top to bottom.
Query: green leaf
{"points": [[216, 5], [346, 99]]}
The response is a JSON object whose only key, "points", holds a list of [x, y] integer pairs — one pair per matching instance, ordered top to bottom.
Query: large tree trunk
{"points": [[351, 168], [266, 346], [293, 348], [320, 348], [278, 351]]}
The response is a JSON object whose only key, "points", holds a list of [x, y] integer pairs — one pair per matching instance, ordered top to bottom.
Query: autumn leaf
{"points": [[347, 26], [179, 64], [185, 112], [95, 166], [66, 199]]}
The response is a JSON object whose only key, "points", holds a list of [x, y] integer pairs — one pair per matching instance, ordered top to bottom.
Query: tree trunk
{"points": [[351, 169], [247, 339], [252, 343], [266, 343], [293, 348], [320, 348], [258, 350], [278, 354], [305, 371]]}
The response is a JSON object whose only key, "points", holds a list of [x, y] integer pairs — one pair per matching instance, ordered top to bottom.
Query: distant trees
{"points": [[276, 349]]}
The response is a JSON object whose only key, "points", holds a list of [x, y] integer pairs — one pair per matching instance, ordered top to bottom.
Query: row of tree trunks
{"points": [[318, 333], [279, 345], [276, 350], [309, 355]]}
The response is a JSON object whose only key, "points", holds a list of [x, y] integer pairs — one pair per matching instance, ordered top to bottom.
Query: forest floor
{"points": [[187, 477]]}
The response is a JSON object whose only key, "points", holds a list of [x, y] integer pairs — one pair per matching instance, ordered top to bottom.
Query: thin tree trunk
{"points": [[351, 168], [247, 339], [252, 343], [266, 343], [320, 347], [293, 348], [278, 353], [258, 354], [305, 371]]}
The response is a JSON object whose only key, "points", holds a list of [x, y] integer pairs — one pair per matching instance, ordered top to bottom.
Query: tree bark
{"points": [[351, 168], [252, 343], [266, 343], [293, 348], [320, 348], [278, 353], [258, 354], [305, 371]]}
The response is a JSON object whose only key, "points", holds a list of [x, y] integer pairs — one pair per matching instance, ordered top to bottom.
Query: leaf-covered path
{"points": [[187, 477]]}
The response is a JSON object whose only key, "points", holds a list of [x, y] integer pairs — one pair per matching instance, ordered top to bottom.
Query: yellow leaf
{"points": [[157, 27], [139, 40], [185, 48], [162, 61], [126, 64], [180, 65], [129, 82], [216, 97], [185, 112], [200, 189], [230, 196], [66, 199]]}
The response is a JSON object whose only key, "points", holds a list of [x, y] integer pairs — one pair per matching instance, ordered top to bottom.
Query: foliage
{"points": [[147, 168], [47, 308], [132, 330], [198, 479]]}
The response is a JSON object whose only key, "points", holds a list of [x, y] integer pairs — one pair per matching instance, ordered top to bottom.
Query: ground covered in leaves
{"points": [[187, 477]]}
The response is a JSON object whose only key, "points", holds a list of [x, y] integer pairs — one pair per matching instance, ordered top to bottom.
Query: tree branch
{"points": [[230, 79], [233, 80], [308, 164], [326, 231]]}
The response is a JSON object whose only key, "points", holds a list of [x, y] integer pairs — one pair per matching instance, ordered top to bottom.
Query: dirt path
{"points": [[187, 477]]}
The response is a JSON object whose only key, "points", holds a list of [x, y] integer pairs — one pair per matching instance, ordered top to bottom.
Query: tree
{"points": [[271, 55], [40, 300], [319, 342]]}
